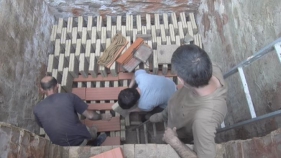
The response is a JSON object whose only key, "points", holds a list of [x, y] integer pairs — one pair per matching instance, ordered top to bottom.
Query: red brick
{"points": [[129, 52], [80, 92], [106, 93], [100, 106], [103, 125], [111, 141], [114, 153]]}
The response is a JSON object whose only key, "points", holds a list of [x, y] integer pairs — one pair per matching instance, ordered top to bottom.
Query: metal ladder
{"points": [[276, 45]]}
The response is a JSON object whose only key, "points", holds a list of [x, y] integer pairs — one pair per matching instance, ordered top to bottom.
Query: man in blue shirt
{"points": [[152, 93]]}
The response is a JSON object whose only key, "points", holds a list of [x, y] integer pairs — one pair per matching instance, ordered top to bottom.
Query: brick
{"points": [[129, 51], [143, 53], [131, 64], [98, 78], [80, 92], [110, 93], [100, 106], [103, 125], [111, 141], [265, 146], [234, 149], [249, 149], [129, 150], [164, 150], [95, 151], [74, 152], [65, 153], [114, 153]]}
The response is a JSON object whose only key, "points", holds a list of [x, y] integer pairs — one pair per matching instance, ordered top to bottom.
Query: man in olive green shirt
{"points": [[199, 107]]}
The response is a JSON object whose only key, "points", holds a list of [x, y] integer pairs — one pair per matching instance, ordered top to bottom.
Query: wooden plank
{"points": [[109, 77], [80, 92], [106, 93], [100, 106], [104, 125]]}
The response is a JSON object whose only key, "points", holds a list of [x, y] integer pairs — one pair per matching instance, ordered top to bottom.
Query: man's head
{"points": [[193, 65], [49, 84], [128, 97]]}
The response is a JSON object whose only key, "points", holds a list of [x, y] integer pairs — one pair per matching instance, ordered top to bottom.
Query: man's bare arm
{"points": [[133, 82], [170, 137]]}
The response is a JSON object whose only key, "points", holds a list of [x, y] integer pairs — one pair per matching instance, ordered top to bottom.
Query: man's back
{"points": [[155, 90], [57, 114]]}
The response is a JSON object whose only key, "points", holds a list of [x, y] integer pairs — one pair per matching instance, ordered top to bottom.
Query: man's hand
{"points": [[106, 116], [170, 135]]}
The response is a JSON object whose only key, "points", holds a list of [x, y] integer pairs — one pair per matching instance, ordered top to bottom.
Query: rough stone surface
{"points": [[66, 8], [232, 31], [24, 41], [18, 142]]}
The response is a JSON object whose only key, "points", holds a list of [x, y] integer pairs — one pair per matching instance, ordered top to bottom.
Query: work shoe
{"points": [[156, 118], [100, 139]]}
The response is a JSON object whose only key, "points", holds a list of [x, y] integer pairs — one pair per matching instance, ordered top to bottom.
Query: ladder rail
{"points": [[276, 45], [253, 58]]}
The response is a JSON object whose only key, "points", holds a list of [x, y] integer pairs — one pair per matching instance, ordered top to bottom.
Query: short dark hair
{"points": [[193, 65], [49, 85], [128, 97]]}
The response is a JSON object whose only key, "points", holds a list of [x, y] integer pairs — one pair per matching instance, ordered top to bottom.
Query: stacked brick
{"points": [[80, 42]]}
